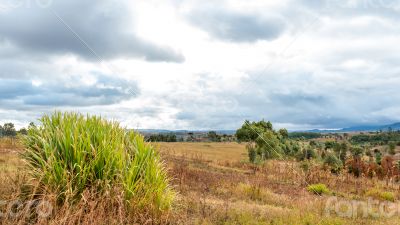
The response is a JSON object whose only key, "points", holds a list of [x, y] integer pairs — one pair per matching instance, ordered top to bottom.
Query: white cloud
{"points": [[301, 64]]}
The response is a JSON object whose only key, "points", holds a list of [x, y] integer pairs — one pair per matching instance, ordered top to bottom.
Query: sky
{"points": [[202, 64]]}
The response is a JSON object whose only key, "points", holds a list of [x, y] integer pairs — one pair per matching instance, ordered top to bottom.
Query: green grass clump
{"points": [[70, 153], [318, 189], [382, 195]]}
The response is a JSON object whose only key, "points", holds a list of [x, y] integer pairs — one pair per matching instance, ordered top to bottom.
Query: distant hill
{"points": [[364, 128]]}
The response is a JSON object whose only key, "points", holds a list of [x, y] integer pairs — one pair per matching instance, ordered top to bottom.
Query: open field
{"points": [[208, 151], [216, 186], [231, 192]]}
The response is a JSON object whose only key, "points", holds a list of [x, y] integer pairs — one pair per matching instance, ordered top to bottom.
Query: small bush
{"points": [[392, 148], [308, 153], [69, 154], [252, 154], [333, 162], [305, 166], [318, 189], [253, 192], [382, 195], [388, 196]]}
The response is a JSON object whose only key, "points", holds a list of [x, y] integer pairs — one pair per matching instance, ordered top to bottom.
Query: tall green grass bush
{"points": [[69, 153]]}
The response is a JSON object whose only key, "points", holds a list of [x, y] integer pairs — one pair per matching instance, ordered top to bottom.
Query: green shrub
{"points": [[252, 152], [70, 153], [307, 153], [333, 162], [305, 166], [318, 189], [382, 195], [388, 196]]}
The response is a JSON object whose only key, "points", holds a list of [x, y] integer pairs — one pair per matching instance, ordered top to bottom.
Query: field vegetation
{"points": [[213, 182]]}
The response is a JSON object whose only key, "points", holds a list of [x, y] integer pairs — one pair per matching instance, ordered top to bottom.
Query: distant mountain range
{"points": [[365, 128]]}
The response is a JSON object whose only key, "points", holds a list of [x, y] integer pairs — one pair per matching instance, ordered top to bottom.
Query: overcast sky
{"points": [[202, 64]]}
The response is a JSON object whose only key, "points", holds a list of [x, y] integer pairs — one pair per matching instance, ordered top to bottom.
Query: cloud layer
{"points": [[236, 26], [67, 27], [203, 65], [74, 91]]}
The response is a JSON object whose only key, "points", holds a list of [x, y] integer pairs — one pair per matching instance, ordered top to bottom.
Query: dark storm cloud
{"points": [[101, 24], [235, 26]]}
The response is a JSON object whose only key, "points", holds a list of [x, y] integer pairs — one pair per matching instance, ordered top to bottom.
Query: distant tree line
{"points": [[9, 130], [304, 135], [211, 136], [170, 137], [377, 138]]}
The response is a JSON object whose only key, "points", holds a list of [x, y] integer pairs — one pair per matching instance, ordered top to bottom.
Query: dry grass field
{"points": [[217, 152], [216, 185], [217, 188]]}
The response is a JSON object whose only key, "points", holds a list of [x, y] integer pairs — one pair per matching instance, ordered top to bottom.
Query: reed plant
{"points": [[69, 153]]}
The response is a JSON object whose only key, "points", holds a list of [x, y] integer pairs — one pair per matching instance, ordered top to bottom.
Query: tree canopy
{"points": [[9, 130], [264, 142]]}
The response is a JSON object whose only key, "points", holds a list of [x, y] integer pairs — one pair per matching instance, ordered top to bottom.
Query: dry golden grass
{"points": [[10, 144], [221, 151]]}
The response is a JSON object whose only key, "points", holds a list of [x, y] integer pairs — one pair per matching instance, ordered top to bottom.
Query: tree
{"points": [[31, 125], [9, 130], [1, 131], [23, 131], [249, 132], [284, 133], [191, 136], [213, 136], [262, 139], [330, 144], [269, 146], [291, 148], [307, 153]]}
